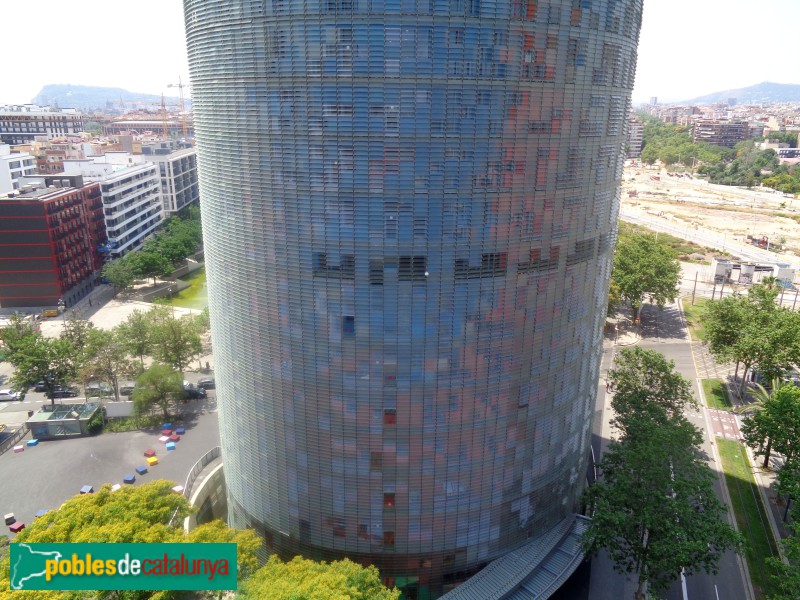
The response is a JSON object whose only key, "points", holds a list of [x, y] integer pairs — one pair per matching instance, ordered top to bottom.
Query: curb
{"points": [[717, 466]]}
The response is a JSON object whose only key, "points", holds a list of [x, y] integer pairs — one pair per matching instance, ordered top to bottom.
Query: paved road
{"points": [[665, 332]]}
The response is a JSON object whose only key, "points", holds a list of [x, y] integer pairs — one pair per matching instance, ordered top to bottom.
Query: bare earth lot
{"points": [[695, 203]]}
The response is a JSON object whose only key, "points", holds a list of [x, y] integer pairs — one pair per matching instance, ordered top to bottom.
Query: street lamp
{"points": [[171, 300], [62, 308]]}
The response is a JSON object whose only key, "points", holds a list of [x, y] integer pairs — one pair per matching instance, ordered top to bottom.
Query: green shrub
{"points": [[96, 421]]}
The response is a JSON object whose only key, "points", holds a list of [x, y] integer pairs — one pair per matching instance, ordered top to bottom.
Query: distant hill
{"points": [[761, 93], [86, 97]]}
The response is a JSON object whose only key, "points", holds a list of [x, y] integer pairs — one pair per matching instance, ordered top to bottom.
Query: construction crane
{"points": [[180, 85], [164, 124]]}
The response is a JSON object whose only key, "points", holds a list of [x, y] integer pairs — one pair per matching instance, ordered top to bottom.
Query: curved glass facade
{"points": [[409, 208]]}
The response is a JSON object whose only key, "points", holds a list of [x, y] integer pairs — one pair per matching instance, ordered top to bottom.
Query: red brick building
{"points": [[49, 238]]}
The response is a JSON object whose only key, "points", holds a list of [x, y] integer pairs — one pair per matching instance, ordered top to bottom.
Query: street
{"points": [[665, 332]]}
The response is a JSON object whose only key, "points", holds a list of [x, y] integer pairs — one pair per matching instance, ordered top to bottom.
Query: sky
{"points": [[687, 48]]}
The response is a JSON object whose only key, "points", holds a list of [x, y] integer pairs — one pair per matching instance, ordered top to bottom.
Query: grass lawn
{"points": [[681, 247], [694, 315], [716, 394], [751, 517]]}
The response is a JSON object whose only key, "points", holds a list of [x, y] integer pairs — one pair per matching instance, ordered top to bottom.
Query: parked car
{"points": [[207, 384], [40, 386], [98, 389], [126, 390], [65, 392], [194, 393], [9, 395]]}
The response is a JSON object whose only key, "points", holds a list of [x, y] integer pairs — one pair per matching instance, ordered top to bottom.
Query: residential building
{"points": [[20, 124], [142, 126], [720, 133], [635, 134], [789, 156], [13, 165], [177, 166], [131, 191], [409, 213], [51, 230]]}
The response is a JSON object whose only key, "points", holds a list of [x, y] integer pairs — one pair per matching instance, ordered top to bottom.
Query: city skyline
{"points": [[678, 38]]}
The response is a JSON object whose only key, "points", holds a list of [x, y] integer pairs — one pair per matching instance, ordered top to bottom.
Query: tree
{"points": [[150, 264], [644, 269], [120, 273], [202, 320], [723, 323], [76, 331], [754, 331], [16, 334], [135, 334], [175, 341], [106, 359], [52, 361], [645, 380], [157, 386], [776, 426], [654, 508], [147, 513], [786, 578], [301, 579]]}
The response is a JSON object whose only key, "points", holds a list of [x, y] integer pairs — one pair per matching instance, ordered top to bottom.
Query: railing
{"points": [[17, 436], [198, 467]]}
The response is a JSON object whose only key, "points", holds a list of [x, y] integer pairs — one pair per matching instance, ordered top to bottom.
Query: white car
{"points": [[6, 395]]}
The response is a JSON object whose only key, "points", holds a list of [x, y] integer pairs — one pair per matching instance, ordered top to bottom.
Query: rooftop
{"points": [[58, 412], [534, 571]]}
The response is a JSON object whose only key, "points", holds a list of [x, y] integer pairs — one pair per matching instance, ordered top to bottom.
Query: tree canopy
{"points": [[672, 144], [744, 165], [176, 239], [645, 270], [120, 272], [754, 331], [14, 335], [135, 335], [175, 340], [106, 359], [52, 361], [645, 381], [158, 386], [776, 426], [654, 508], [150, 512], [301, 579]]}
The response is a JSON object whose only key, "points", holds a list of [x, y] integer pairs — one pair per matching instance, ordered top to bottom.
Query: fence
{"points": [[15, 437]]}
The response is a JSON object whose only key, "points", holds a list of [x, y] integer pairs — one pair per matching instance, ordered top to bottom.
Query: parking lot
{"points": [[45, 476]]}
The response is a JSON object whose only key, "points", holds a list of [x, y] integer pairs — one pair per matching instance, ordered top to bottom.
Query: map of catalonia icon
{"points": [[28, 564]]}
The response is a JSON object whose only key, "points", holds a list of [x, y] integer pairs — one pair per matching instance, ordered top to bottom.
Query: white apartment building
{"points": [[20, 124], [14, 165], [177, 165], [131, 191]]}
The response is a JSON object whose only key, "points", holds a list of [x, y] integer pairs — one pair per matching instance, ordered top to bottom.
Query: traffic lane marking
{"points": [[724, 424]]}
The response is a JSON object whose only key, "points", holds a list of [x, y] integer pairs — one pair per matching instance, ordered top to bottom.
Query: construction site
{"points": [[759, 217]]}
